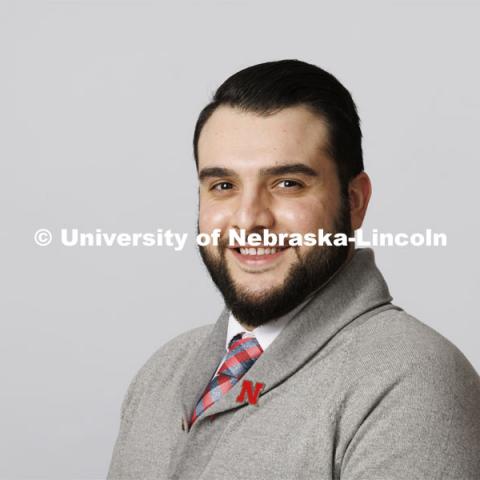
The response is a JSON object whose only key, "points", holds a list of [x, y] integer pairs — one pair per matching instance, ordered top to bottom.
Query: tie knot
{"points": [[240, 338], [235, 339], [243, 351]]}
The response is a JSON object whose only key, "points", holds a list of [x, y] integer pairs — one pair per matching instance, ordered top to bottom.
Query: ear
{"points": [[359, 192]]}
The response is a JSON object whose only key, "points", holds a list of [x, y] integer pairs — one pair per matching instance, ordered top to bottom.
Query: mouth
{"points": [[258, 256]]}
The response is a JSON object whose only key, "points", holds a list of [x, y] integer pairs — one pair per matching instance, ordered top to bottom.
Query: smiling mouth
{"points": [[259, 251], [259, 257]]}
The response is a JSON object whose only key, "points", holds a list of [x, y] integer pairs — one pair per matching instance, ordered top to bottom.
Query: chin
{"points": [[256, 287], [253, 294]]}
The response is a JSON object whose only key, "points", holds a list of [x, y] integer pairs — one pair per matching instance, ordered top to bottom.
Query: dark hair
{"points": [[269, 87]]}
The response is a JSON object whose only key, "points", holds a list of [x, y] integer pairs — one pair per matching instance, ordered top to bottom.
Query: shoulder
{"points": [[400, 338], [393, 348], [174, 352]]}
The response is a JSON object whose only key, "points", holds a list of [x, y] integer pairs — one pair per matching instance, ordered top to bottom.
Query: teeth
{"points": [[257, 251]]}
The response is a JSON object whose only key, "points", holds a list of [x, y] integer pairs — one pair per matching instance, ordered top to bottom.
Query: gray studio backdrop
{"points": [[98, 104]]}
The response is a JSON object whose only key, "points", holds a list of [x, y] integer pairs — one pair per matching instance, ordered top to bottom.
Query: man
{"points": [[310, 372]]}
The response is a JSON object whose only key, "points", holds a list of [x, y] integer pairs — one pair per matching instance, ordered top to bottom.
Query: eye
{"points": [[289, 184], [222, 186]]}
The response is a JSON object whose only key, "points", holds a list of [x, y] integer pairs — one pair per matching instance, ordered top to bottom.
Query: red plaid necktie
{"points": [[242, 353]]}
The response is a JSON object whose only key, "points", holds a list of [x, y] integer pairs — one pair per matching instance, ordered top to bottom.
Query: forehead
{"points": [[233, 137]]}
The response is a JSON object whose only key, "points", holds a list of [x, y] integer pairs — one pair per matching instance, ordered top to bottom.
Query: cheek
{"points": [[213, 216], [304, 216]]}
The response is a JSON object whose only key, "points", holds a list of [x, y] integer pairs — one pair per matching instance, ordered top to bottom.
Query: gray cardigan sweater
{"points": [[355, 388]]}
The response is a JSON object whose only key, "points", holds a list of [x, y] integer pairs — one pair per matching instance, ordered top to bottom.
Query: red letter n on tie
{"points": [[252, 394]]}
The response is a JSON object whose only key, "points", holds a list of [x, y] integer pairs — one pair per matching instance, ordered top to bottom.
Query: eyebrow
{"points": [[289, 168], [217, 172]]}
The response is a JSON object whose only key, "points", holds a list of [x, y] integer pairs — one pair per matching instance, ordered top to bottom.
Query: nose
{"points": [[253, 212]]}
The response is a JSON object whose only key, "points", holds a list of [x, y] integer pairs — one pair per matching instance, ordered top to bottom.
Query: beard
{"points": [[308, 274]]}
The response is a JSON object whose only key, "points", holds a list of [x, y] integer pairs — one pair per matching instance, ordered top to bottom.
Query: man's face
{"points": [[268, 172]]}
